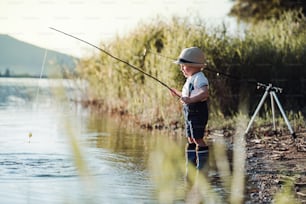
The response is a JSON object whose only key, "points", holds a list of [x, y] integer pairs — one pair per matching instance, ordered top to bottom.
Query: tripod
{"points": [[272, 90]]}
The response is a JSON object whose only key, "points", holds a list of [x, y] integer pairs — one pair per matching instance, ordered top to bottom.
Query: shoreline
{"points": [[273, 161]]}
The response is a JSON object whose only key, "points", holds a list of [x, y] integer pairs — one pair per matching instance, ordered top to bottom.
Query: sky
{"points": [[94, 20]]}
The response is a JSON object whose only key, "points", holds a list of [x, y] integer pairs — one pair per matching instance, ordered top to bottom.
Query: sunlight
{"points": [[93, 20]]}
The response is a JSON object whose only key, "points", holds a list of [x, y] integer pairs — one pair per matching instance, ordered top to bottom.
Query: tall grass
{"points": [[269, 52]]}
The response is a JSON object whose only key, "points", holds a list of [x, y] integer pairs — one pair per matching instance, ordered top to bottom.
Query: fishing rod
{"points": [[118, 59]]}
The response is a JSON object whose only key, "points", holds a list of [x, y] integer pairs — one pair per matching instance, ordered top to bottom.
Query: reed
{"points": [[272, 51]]}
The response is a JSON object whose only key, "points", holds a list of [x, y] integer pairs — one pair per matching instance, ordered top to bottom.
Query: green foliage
{"points": [[256, 11], [270, 52], [286, 194]]}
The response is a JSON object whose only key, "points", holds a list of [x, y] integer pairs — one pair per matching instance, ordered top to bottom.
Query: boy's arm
{"points": [[201, 96]]}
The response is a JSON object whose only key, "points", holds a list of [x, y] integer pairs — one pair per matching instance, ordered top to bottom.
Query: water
{"points": [[78, 156], [45, 168]]}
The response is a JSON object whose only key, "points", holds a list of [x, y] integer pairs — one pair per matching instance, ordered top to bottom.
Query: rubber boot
{"points": [[190, 153], [202, 157], [191, 159]]}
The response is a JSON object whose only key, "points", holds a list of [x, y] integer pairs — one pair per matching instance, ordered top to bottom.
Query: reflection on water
{"points": [[42, 168]]}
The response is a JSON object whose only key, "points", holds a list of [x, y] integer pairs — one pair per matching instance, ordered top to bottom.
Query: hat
{"points": [[192, 56]]}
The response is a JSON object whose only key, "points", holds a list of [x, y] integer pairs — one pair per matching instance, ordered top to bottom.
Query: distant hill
{"points": [[18, 58]]}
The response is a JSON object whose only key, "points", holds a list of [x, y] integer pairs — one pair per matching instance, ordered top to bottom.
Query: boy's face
{"points": [[188, 70]]}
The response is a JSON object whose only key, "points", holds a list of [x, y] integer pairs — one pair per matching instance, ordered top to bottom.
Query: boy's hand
{"points": [[175, 92], [186, 100]]}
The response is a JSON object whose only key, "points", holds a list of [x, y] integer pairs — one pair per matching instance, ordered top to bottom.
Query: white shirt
{"points": [[194, 83]]}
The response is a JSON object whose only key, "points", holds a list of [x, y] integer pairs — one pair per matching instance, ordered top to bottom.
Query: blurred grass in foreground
{"points": [[167, 165]]}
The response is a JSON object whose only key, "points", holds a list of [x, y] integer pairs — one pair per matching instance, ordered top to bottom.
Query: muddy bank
{"points": [[120, 112], [275, 162]]}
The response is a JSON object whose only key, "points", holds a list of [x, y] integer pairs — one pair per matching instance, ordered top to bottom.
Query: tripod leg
{"points": [[256, 111], [273, 111], [283, 114]]}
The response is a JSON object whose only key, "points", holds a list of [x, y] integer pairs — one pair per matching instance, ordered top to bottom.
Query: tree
{"points": [[257, 10], [7, 73]]}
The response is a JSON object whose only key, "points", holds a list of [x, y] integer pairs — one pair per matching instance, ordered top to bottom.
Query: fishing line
{"points": [[118, 59], [217, 72], [40, 76], [38, 87], [269, 89]]}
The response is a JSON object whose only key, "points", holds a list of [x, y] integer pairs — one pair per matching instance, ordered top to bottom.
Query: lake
{"points": [[53, 150]]}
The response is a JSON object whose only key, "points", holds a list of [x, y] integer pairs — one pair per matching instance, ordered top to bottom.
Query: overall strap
{"points": [[191, 86]]}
